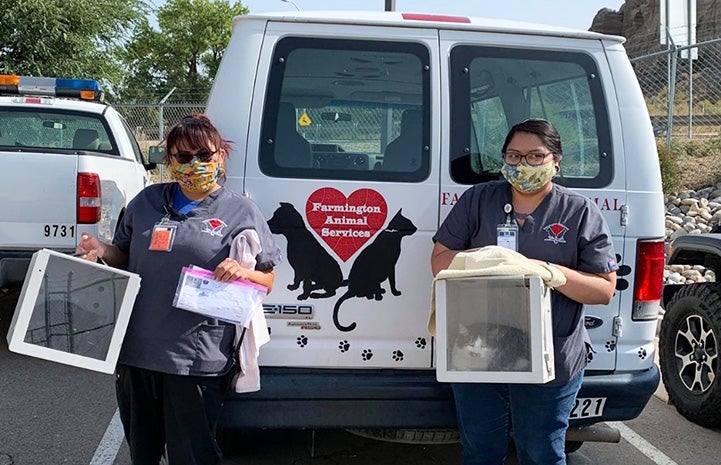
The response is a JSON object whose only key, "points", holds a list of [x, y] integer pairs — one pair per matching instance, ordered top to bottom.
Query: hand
{"points": [[90, 247], [230, 270]]}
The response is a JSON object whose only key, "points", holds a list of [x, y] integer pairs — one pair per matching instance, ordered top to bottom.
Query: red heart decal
{"points": [[346, 223]]}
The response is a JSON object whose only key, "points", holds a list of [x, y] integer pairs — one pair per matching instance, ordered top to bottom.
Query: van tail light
{"points": [[88, 211], [648, 284]]}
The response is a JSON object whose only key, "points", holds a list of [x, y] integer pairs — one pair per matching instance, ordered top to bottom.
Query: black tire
{"points": [[689, 345], [573, 446]]}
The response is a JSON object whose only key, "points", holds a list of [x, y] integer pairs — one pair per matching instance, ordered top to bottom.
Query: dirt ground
{"points": [[699, 172]]}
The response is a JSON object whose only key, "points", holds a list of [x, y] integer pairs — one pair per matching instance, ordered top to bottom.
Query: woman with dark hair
{"points": [[555, 227], [175, 366]]}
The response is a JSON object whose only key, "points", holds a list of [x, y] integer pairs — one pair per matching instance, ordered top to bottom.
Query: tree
{"points": [[67, 38], [184, 52]]}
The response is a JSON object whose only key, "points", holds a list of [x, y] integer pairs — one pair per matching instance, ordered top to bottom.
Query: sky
{"points": [[577, 14]]}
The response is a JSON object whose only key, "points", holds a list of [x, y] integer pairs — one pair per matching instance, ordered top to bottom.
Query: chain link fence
{"points": [[682, 90], [683, 97], [150, 122], [358, 133]]}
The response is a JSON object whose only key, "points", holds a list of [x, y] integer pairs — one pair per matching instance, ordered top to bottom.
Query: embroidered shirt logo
{"points": [[214, 226], [556, 233]]}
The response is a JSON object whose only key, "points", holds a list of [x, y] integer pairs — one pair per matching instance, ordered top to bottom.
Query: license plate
{"points": [[587, 407]]}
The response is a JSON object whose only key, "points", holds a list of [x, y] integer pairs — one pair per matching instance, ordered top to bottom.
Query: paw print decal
{"points": [[302, 341], [421, 343], [343, 346], [610, 346], [367, 354], [642, 354], [397, 355], [589, 357]]}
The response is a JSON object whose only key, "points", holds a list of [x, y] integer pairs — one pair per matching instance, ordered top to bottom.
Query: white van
{"points": [[355, 133]]}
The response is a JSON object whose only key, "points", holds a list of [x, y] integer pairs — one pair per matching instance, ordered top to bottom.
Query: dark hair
{"points": [[543, 129], [197, 132]]}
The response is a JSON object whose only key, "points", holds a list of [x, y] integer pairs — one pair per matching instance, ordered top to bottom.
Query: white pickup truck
{"points": [[69, 164]]}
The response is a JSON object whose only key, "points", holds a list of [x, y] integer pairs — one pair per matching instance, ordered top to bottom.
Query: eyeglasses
{"points": [[203, 156], [532, 158]]}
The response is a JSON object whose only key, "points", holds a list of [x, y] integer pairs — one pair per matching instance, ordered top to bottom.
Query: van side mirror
{"points": [[156, 154]]}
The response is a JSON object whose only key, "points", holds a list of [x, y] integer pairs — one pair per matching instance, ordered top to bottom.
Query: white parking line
{"points": [[113, 438], [641, 444], [109, 445]]}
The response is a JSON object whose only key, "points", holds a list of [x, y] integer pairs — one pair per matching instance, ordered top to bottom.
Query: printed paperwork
{"points": [[230, 301]]}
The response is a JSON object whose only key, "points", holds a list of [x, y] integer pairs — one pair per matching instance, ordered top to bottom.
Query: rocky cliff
{"points": [[638, 22]]}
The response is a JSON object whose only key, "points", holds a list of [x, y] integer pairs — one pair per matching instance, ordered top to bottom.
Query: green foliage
{"points": [[66, 38], [183, 53], [696, 148], [670, 179]]}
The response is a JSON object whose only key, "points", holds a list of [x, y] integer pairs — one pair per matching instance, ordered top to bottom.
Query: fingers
{"points": [[88, 242], [88, 247], [90, 255], [229, 270]]}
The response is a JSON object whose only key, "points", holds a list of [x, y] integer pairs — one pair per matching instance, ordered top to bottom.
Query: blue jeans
{"points": [[538, 413]]}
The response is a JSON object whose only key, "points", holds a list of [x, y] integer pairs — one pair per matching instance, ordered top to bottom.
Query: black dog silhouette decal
{"points": [[311, 264], [375, 264]]}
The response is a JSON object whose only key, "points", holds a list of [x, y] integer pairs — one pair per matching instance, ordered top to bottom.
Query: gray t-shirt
{"points": [[566, 228], [161, 337]]}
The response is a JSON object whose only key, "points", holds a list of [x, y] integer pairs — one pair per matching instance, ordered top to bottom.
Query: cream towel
{"points": [[244, 249], [493, 260]]}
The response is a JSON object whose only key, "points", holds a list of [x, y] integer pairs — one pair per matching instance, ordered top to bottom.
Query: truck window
{"points": [[502, 87], [347, 109], [48, 130], [133, 142]]}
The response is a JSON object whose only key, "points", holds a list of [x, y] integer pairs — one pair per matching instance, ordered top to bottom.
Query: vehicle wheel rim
{"points": [[696, 352]]}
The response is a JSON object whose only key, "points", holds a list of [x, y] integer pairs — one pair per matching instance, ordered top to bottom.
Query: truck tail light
{"points": [[88, 211], [648, 283]]}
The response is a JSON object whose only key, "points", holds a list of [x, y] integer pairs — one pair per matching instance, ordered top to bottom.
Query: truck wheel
{"points": [[689, 343]]}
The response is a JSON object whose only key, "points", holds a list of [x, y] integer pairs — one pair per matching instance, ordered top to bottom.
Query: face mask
{"points": [[196, 176], [526, 178]]}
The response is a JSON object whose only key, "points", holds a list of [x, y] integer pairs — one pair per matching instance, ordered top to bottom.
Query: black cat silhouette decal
{"points": [[375, 264], [312, 265]]}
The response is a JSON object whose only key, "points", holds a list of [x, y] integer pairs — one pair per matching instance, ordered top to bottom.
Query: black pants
{"points": [[181, 411]]}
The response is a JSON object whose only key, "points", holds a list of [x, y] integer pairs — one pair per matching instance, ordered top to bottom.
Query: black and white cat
{"points": [[490, 347]]}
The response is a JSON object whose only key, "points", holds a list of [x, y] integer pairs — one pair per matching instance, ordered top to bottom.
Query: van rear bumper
{"points": [[13, 267], [315, 398]]}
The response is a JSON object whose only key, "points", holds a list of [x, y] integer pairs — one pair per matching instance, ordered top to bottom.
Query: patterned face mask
{"points": [[196, 176], [526, 178]]}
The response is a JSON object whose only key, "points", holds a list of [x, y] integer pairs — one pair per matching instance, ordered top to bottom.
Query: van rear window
{"points": [[493, 88], [347, 109]]}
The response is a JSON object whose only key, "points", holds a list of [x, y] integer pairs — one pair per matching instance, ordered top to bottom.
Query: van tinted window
{"points": [[494, 88], [347, 109]]}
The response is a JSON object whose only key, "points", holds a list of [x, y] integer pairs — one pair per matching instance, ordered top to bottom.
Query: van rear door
{"points": [[498, 80], [340, 158]]}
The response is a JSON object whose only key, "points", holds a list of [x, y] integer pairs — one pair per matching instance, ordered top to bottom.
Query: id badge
{"points": [[163, 236], [507, 236]]}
